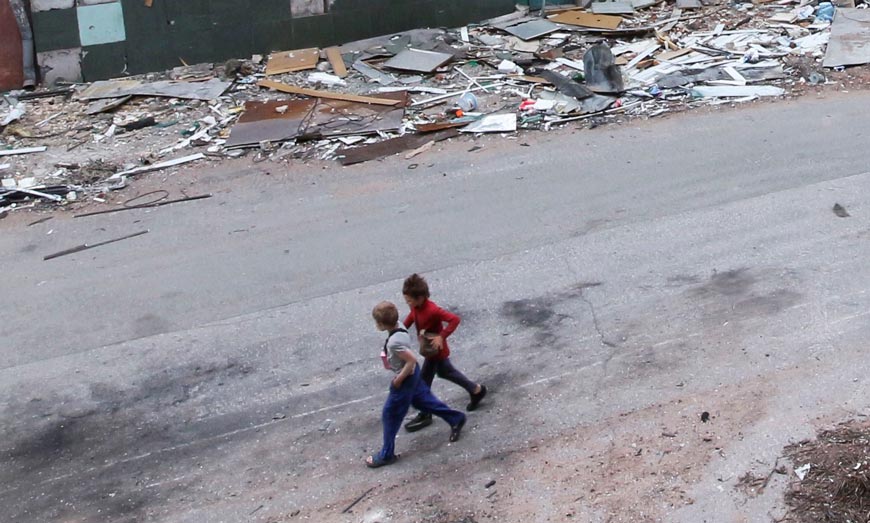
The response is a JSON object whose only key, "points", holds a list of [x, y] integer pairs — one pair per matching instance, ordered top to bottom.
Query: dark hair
{"points": [[415, 286], [385, 313]]}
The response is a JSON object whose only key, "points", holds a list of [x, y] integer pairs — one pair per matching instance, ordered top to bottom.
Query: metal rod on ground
{"points": [[470, 79], [451, 95], [144, 205], [86, 246], [357, 500]]}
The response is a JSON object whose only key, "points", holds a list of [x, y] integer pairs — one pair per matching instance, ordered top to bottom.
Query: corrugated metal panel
{"points": [[11, 60]]}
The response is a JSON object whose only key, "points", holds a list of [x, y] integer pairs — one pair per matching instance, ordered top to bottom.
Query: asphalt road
{"points": [[613, 283]]}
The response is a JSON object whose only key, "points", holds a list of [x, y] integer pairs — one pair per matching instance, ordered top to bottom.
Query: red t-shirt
{"points": [[431, 318]]}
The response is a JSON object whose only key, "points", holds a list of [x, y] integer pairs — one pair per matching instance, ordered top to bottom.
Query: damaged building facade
{"points": [[48, 41]]}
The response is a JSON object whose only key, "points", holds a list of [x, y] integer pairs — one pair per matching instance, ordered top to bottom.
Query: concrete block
{"points": [[46, 5], [300, 8], [101, 24], [61, 64]]}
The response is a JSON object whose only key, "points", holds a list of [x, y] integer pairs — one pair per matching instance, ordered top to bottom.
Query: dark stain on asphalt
{"points": [[28, 248], [681, 280], [736, 282], [739, 294], [767, 304], [535, 312], [542, 313], [150, 324], [84, 442]]}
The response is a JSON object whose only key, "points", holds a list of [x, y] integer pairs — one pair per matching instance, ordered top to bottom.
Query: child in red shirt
{"points": [[427, 317]]}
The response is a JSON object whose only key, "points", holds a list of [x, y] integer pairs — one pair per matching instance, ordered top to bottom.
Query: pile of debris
{"points": [[403, 93], [832, 476]]}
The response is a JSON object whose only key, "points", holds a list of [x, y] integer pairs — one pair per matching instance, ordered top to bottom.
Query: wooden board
{"points": [[583, 19], [670, 55], [290, 61], [337, 62], [284, 88]]}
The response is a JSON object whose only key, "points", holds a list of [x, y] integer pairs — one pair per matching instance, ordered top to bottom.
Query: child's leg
{"points": [[447, 371], [428, 372], [426, 402], [395, 409]]}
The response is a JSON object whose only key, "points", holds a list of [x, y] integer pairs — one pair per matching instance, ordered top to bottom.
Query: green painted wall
{"points": [[126, 37]]}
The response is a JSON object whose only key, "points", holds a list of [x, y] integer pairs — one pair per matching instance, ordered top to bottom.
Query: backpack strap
{"points": [[390, 335]]}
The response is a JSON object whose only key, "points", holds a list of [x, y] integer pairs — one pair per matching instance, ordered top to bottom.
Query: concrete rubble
{"points": [[522, 72]]}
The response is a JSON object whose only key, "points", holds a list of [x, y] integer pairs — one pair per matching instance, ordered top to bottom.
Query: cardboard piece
{"points": [[583, 19], [291, 61], [284, 88]]}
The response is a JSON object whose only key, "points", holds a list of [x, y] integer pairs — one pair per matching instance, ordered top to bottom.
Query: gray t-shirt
{"points": [[398, 342]]}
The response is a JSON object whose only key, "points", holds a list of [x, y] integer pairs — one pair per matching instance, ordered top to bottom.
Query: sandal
{"points": [[374, 462]]}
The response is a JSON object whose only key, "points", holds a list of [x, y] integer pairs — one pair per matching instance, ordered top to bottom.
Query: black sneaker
{"points": [[476, 399], [422, 420]]}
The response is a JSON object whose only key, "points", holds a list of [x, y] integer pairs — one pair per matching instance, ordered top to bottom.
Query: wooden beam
{"points": [[334, 57], [284, 88]]}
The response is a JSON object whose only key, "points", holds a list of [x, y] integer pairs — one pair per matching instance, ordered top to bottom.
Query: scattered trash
{"points": [[607, 62], [493, 123], [705, 417], [802, 471], [489, 484]]}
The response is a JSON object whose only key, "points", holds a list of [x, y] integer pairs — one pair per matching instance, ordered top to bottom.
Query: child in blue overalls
{"points": [[406, 387]]}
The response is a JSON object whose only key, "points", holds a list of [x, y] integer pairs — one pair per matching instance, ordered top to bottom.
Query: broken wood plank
{"points": [[292, 61], [337, 62], [284, 88], [440, 126], [392, 146]]}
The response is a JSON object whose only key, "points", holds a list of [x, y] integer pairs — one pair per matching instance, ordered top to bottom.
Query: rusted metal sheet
{"points": [[11, 51], [275, 121], [393, 146]]}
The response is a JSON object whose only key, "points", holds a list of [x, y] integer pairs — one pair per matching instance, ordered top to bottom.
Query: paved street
{"points": [[614, 284]]}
